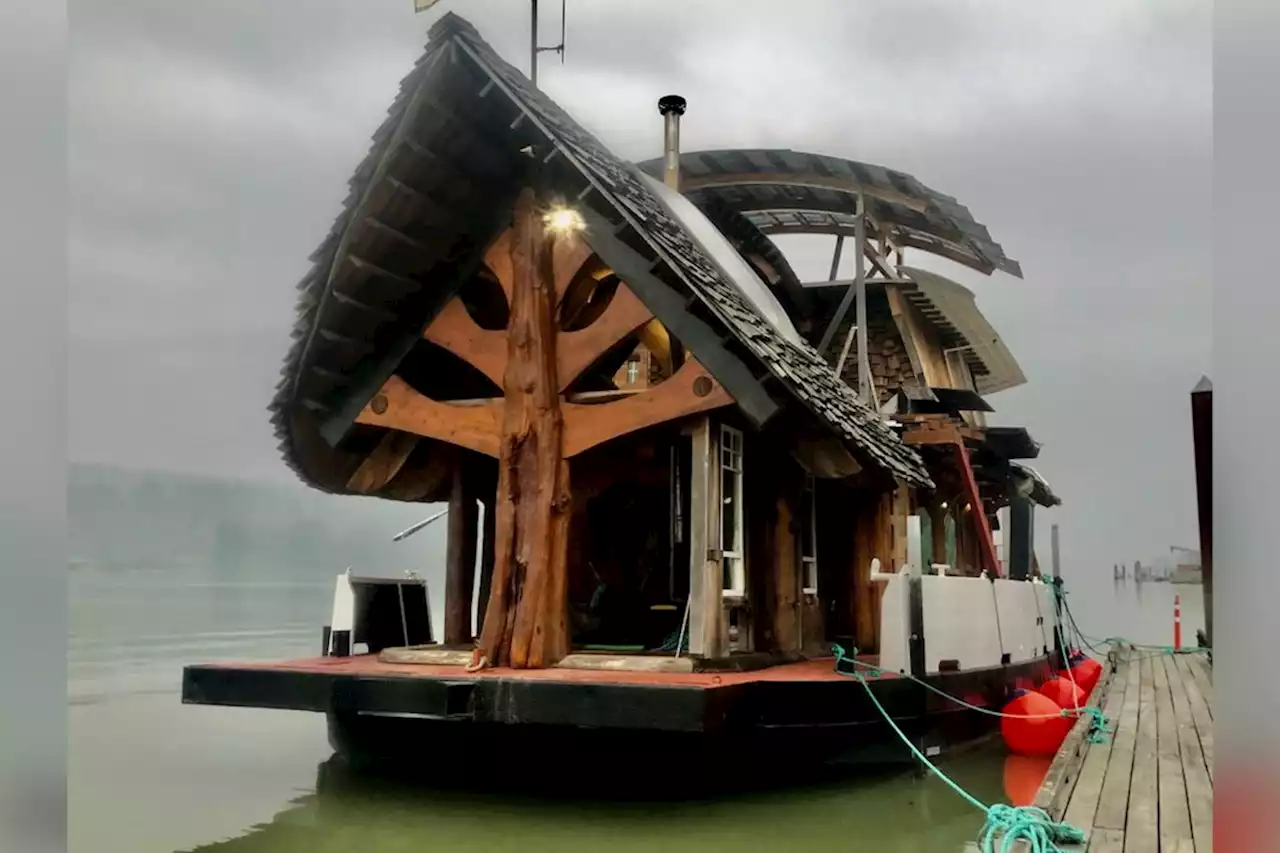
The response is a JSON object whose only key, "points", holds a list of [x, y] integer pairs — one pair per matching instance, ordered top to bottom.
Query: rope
{"points": [[1154, 650], [875, 671], [1006, 824]]}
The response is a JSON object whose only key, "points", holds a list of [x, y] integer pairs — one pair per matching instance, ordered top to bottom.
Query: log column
{"points": [[460, 559], [526, 619]]}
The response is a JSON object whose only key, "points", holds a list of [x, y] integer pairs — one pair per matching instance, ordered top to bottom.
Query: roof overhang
{"points": [[953, 310], [1010, 442], [1028, 481]]}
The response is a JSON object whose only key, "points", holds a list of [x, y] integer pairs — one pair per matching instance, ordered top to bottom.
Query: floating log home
{"points": [[665, 455]]}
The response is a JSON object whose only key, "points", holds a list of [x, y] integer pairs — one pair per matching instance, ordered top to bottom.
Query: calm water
{"points": [[149, 775]]}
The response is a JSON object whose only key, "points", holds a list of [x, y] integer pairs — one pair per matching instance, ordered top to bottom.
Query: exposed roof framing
{"points": [[793, 192]]}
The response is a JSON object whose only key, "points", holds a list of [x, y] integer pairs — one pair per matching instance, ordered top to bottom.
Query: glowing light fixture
{"points": [[564, 220]]}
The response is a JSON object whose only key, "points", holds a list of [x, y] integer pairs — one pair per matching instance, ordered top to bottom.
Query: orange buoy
{"points": [[1085, 673], [1064, 693], [1033, 725], [1023, 776]]}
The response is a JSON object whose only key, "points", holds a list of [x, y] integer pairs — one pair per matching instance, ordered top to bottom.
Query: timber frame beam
{"points": [[475, 424]]}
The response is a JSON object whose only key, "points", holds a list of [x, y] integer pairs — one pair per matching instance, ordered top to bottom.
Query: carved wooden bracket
{"points": [[690, 391], [399, 406], [476, 425]]}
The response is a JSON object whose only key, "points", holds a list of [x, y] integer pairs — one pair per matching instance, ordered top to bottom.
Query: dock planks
{"points": [[1149, 787]]}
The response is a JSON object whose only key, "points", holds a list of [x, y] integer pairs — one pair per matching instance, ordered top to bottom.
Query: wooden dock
{"points": [[1149, 787]]}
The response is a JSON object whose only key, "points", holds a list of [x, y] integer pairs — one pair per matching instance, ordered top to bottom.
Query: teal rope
{"points": [[1085, 639], [874, 671], [1008, 824]]}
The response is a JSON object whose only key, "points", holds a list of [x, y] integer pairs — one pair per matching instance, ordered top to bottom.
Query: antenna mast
{"points": [[534, 49]]}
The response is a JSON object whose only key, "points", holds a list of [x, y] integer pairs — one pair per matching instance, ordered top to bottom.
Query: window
{"points": [[633, 371], [809, 537], [731, 550]]}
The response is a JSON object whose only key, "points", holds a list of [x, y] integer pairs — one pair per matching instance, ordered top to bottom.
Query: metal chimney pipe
{"points": [[671, 107]]}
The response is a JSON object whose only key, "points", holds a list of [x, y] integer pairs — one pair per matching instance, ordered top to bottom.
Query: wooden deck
{"points": [[1149, 787]]}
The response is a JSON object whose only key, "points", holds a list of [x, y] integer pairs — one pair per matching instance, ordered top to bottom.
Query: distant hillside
{"points": [[161, 520]]}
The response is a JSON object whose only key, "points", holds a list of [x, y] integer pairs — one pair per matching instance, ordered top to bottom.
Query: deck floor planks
{"points": [[1199, 670], [1200, 714], [1194, 769], [1150, 790], [1085, 799], [1114, 802], [1175, 813], [1142, 824]]}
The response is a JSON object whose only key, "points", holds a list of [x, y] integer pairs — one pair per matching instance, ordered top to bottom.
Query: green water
{"points": [[149, 775]]}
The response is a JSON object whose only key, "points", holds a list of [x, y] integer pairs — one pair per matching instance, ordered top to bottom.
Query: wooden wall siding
{"points": [[887, 352], [887, 355], [476, 424], [879, 531], [785, 573]]}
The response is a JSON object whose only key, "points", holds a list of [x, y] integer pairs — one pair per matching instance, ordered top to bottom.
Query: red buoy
{"points": [[1085, 674], [1064, 693], [1033, 725], [1023, 776]]}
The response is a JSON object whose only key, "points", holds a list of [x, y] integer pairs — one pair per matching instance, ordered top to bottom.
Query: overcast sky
{"points": [[210, 147]]}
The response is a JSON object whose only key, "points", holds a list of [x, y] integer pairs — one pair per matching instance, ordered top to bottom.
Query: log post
{"points": [[460, 559], [526, 618]]}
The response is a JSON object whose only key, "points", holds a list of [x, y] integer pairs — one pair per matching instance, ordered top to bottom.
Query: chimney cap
{"points": [[672, 104]]}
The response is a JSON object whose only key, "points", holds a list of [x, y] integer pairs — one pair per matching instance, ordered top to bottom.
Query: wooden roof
{"points": [[436, 187]]}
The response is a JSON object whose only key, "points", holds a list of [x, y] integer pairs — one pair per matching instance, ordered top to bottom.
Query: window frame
{"points": [[730, 458], [809, 562]]}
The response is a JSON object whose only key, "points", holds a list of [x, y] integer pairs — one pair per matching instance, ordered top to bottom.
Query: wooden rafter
{"points": [[456, 331], [383, 462]]}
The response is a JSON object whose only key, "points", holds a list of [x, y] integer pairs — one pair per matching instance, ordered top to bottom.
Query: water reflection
{"points": [[375, 811]]}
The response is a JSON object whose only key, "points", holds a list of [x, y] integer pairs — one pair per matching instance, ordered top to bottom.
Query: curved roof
{"points": [[793, 192]]}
